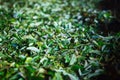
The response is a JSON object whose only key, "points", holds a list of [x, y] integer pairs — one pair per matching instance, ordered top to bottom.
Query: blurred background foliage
{"points": [[58, 40]]}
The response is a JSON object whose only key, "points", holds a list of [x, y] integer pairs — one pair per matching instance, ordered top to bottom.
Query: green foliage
{"points": [[52, 40]]}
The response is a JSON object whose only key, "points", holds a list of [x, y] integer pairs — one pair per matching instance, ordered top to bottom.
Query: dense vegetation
{"points": [[57, 40]]}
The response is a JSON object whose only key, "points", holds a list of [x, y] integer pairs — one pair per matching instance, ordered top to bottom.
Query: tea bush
{"points": [[53, 40]]}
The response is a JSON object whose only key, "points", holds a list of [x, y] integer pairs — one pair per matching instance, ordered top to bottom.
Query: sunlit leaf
{"points": [[33, 49], [73, 59]]}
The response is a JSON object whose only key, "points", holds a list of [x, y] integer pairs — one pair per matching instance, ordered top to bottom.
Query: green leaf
{"points": [[0, 39], [33, 49], [2, 55], [67, 58], [73, 59], [28, 60], [96, 73], [57, 76], [72, 77]]}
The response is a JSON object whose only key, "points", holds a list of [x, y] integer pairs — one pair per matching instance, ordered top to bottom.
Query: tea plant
{"points": [[53, 40]]}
